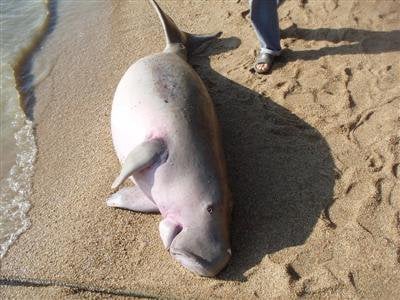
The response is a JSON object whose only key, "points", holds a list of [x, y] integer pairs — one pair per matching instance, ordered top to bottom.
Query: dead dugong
{"points": [[166, 135]]}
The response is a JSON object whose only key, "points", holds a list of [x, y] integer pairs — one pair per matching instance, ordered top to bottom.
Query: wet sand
{"points": [[312, 152]]}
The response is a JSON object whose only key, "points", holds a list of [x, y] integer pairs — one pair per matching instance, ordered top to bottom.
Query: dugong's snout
{"points": [[200, 254], [200, 265]]}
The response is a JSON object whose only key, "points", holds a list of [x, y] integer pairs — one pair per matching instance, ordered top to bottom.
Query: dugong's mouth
{"points": [[194, 263], [198, 264]]}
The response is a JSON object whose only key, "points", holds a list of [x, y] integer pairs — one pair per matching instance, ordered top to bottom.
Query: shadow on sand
{"points": [[362, 41], [281, 169]]}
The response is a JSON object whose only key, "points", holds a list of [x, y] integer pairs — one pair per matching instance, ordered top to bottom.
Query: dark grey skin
{"points": [[166, 134]]}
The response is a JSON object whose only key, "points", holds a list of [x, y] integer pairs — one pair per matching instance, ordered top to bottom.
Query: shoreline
{"points": [[23, 68], [303, 151], [17, 162]]}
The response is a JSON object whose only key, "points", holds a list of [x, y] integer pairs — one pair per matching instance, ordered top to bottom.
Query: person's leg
{"points": [[264, 17]]}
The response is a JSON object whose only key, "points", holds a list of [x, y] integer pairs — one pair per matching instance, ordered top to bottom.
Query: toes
{"points": [[262, 68]]}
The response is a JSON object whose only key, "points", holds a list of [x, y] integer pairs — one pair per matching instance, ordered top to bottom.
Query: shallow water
{"points": [[22, 24], [24, 27]]}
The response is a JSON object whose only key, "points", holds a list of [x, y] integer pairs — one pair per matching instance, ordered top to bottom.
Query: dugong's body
{"points": [[166, 134]]}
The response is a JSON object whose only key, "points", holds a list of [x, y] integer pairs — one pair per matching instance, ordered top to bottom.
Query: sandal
{"points": [[264, 58]]}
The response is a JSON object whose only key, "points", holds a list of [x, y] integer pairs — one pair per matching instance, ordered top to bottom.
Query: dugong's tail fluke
{"points": [[174, 36]]}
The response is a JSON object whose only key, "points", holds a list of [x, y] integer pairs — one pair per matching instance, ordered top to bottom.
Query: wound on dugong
{"points": [[166, 135]]}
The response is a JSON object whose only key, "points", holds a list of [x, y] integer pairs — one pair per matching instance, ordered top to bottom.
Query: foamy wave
{"points": [[22, 26], [15, 189]]}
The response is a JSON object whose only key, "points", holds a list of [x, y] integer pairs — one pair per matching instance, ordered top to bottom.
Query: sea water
{"points": [[22, 25]]}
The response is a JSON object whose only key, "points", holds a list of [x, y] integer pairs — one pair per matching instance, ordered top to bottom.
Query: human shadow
{"points": [[362, 41], [24, 76], [281, 169]]}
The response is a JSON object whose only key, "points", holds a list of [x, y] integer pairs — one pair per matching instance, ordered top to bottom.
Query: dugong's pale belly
{"points": [[159, 94], [138, 113]]}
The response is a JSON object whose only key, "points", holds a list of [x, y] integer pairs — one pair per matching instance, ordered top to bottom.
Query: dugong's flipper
{"points": [[139, 158], [132, 198], [168, 231]]}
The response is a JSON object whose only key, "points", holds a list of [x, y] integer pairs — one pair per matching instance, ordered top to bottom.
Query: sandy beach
{"points": [[312, 151]]}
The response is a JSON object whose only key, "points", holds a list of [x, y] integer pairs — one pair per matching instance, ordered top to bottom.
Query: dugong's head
{"points": [[201, 242], [204, 249]]}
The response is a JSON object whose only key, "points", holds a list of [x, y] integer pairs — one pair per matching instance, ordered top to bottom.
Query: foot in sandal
{"points": [[263, 63]]}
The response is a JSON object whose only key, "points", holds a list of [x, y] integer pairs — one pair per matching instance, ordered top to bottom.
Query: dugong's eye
{"points": [[210, 209]]}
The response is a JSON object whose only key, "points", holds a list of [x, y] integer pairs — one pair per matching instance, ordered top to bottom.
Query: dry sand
{"points": [[312, 152]]}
